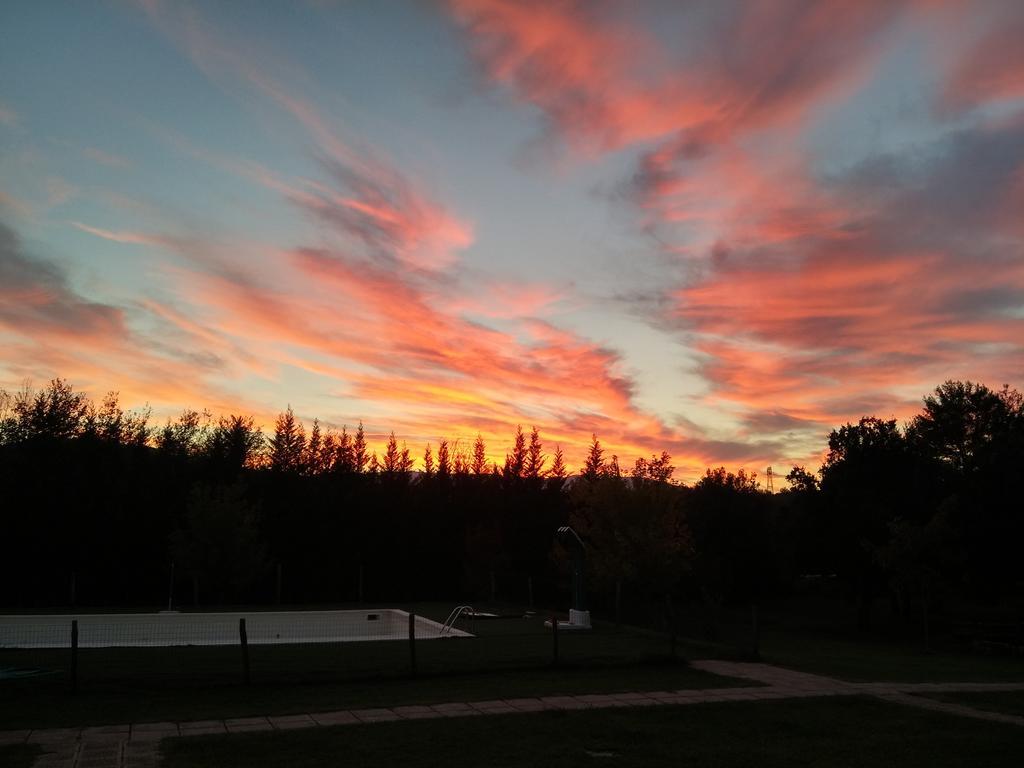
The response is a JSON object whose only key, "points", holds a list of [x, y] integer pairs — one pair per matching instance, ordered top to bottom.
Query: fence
{"points": [[139, 651]]}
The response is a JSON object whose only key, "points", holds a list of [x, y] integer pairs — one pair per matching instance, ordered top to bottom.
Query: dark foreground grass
{"points": [[869, 659], [1006, 702], [28, 704], [831, 732], [19, 755]]}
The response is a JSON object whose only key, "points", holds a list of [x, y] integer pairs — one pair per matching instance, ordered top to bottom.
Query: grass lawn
{"points": [[868, 659], [1006, 702], [38, 704], [830, 732], [19, 755]]}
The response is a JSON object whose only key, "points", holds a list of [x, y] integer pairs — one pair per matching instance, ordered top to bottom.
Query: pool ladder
{"points": [[449, 623]]}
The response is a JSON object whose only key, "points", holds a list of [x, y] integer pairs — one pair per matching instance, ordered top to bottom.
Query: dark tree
{"points": [[288, 445], [515, 462], [479, 465], [534, 465], [594, 466], [558, 470]]}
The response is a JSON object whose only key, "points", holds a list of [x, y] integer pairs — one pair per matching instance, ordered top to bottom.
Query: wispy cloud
{"points": [[8, 116], [109, 159], [134, 238], [805, 297]]}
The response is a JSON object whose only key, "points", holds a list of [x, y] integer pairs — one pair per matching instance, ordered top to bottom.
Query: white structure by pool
{"points": [[262, 628]]}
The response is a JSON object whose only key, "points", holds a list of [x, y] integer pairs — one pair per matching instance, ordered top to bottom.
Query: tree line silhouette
{"points": [[98, 503]]}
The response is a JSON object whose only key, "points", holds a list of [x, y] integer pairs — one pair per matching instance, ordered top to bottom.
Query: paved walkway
{"points": [[137, 745]]}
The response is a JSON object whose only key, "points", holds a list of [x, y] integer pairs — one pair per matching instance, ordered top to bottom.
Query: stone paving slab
{"points": [[598, 699], [564, 702], [639, 703], [489, 705], [456, 709], [416, 712], [376, 715], [343, 717], [236, 721], [291, 722], [153, 727], [204, 728], [254, 728], [106, 730], [211, 730], [152, 732], [14, 737]]}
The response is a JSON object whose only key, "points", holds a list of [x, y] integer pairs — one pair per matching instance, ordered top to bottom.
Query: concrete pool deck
{"points": [[181, 628], [137, 745]]}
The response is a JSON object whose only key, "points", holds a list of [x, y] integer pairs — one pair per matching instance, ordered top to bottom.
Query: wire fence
{"points": [[117, 651]]}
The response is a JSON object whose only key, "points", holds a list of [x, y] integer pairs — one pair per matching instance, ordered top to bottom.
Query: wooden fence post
{"points": [[671, 615], [244, 638], [554, 639], [412, 642], [74, 655]]}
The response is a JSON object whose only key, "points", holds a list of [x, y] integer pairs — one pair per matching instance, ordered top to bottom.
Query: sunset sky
{"points": [[714, 228]]}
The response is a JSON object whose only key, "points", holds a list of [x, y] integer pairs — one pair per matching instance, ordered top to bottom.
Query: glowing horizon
{"points": [[718, 230]]}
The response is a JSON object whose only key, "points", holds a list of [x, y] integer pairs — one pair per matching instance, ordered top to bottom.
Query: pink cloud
{"points": [[993, 68], [368, 199]]}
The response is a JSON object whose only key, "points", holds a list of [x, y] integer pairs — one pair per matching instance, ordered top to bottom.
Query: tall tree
{"points": [[56, 412], [960, 420], [111, 424], [185, 436], [235, 443], [288, 445], [359, 456], [344, 457], [392, 457], [313, 459], [405, 460], [428, 462], [444, 462], [515, 462], [479, 465], [534, 466], [594, 466], [657, 469], [558, 470], [867, 481]]}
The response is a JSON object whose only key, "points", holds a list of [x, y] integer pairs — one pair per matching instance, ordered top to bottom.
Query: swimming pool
{"points": [[139, 630]]}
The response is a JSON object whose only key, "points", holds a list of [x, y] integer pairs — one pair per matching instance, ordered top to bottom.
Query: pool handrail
{"points": [[449, 623]]}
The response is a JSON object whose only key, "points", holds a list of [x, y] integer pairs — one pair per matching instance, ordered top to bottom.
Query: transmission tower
{"points": [[771, 484]]}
